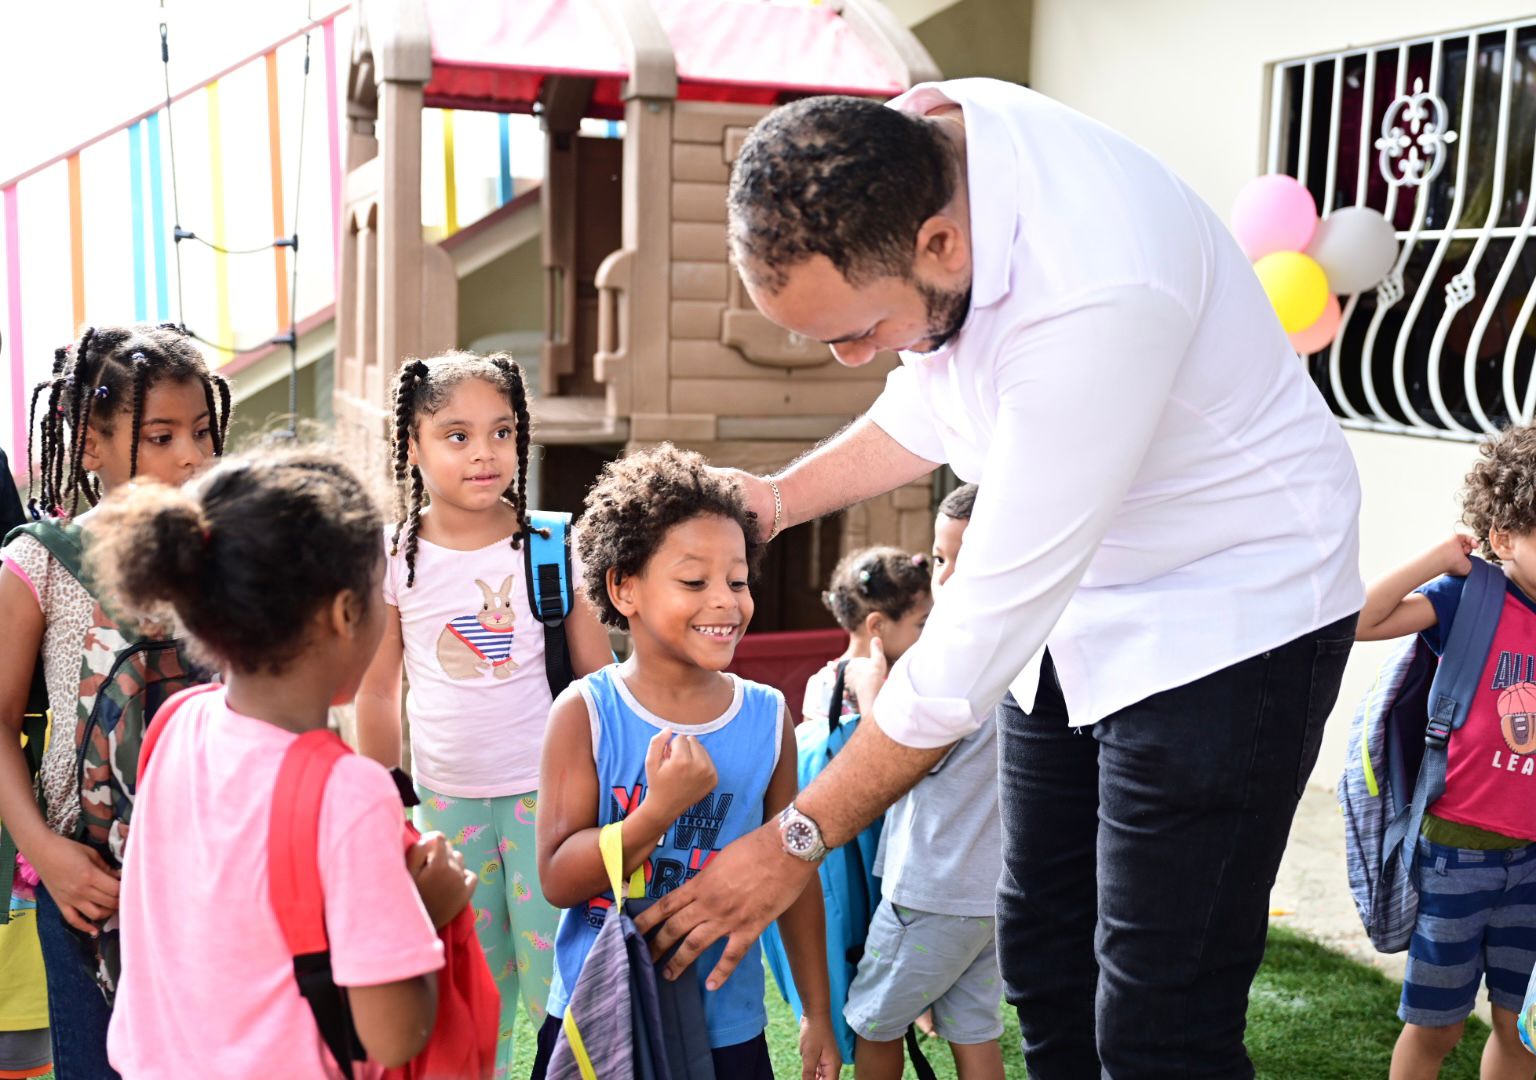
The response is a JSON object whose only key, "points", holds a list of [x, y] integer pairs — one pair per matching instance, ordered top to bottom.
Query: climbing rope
{"points": [[291, 337]]}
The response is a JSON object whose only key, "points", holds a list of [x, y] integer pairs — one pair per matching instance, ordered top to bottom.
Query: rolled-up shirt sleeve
{"points": [[1080, 397], [901, 413]]}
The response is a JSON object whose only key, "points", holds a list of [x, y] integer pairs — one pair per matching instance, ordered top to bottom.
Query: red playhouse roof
{"points": [[494, 56]]}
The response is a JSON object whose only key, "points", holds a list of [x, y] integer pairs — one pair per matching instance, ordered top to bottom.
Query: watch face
{"points": [[799, 838]]}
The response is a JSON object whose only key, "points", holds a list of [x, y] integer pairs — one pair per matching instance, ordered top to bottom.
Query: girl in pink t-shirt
{"points": [[272, 565], [460, 624]]}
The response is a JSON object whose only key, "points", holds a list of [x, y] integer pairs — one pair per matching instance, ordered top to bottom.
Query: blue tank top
{"points": [[744, 744]]}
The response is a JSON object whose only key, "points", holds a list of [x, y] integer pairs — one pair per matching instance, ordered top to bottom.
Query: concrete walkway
{"points": [[1311, 893]]}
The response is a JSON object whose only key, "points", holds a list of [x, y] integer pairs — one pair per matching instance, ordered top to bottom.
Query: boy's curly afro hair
{"points": [[1500, 491], [633, 504]]}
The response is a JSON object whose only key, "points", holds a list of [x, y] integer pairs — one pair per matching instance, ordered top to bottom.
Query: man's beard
{"points": [[946, 312]]}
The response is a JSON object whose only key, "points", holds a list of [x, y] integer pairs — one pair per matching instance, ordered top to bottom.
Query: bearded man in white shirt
{"points": [[1166, 505]]}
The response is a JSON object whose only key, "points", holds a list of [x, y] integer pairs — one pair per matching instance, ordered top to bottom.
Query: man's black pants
{"points": [[1139, 854]]}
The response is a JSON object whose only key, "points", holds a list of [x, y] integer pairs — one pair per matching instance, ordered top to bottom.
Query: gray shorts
{"points": [[917, 960], [25, 1052]]}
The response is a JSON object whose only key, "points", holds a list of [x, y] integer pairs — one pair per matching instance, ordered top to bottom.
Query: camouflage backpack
{"points": [[126, 673]]}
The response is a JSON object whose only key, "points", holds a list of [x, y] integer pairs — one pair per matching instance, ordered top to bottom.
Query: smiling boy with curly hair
{"points": [[672, 746]]}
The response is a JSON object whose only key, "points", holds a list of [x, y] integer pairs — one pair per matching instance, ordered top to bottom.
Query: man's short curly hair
{"points": [[842, 177], [1500, 491], [633, 504]]}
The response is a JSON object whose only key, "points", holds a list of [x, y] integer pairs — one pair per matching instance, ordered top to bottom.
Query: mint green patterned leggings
{"points": [[515, 923]]}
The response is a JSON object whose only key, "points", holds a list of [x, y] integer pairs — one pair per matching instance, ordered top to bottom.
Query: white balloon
{"points": [[1356, 247]]}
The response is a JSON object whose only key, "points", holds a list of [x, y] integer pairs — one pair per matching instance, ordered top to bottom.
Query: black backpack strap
{"points": [[551, 592], [835, 702], [405, 787], [7, 874], [329, 1005], [919, 1060]]}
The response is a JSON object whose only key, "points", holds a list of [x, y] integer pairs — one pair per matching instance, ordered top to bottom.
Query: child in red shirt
{"points": [[1477, 848]]}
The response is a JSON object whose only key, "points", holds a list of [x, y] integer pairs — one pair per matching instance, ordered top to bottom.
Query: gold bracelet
{"points": [[778, 509]]}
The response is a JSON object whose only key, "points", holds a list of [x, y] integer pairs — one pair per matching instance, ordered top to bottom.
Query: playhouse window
{"points": [[1449, 353]]}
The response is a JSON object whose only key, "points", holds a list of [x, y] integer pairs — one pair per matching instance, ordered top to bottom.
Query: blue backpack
{"points": [[550, 591], [1397, 756], [850, 891]]}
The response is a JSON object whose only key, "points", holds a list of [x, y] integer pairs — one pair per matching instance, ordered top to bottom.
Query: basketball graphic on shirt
{"points": [[472, 645], [1517, 717]]}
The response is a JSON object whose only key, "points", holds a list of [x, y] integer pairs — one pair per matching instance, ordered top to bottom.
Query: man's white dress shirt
{"points": [[1163, 491]]}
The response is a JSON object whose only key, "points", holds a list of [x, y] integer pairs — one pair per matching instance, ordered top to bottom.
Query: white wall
{"points": [[1187, 79], [1410, 488]]}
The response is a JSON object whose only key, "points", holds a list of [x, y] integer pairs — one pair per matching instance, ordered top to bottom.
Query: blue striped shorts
{"points": [[1477, 913]]}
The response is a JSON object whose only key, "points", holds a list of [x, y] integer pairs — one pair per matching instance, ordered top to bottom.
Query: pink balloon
{"points": [[1273, 213], [1320, 334]]}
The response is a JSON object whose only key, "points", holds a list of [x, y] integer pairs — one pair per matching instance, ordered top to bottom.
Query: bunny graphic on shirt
{"points": [[472, 644]]}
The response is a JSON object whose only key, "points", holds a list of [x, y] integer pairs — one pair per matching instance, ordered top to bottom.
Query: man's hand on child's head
{"points": [[758, 494], [1456, 554], [866, 675], [678, 772], [438, 870]]}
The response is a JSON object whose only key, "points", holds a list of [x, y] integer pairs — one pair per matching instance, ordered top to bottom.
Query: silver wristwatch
{"points": [[800, 836]]}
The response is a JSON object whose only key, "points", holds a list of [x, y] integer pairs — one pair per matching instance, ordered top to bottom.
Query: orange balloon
{"points": [[1320, 334]]}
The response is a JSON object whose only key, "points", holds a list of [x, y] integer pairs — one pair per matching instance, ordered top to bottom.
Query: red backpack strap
{"points": [[159, 721], [293, 839], [293, 872]]}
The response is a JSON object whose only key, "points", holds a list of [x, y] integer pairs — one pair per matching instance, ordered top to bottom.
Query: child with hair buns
{"points": [[271, 563], [877, 593]]}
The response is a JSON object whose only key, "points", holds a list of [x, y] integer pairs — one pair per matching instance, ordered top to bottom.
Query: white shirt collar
{"points": [[991, 172]]}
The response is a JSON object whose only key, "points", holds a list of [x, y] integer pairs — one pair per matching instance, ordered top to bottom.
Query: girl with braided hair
{"points": [[126, 401], [460, 625]]}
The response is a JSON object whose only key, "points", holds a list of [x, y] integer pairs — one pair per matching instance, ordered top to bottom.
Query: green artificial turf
{"points": [[1313, 1013]]}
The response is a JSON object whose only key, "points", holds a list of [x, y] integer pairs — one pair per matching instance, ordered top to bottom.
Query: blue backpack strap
{"points": [[551, 591], [1450, 698]]}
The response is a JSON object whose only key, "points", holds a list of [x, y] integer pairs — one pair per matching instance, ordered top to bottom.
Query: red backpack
{"points": [[463, 1042]]}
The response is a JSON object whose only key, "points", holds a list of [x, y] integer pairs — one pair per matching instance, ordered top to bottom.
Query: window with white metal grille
{"points": [[1439, 135]]}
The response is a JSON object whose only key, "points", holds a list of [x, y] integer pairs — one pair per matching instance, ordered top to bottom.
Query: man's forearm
{"points": [[858, 463], [865, 778]]}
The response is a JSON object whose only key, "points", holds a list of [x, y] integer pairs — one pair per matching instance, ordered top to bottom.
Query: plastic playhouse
{"points": [[648, 333]]}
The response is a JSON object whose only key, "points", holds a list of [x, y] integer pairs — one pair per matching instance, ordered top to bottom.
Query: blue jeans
{"points": [[1138, 855], [77, 1013]]}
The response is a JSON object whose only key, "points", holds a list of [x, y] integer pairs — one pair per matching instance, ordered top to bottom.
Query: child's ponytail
{"points": [[149, 547], [245, 554], [883, 579]]}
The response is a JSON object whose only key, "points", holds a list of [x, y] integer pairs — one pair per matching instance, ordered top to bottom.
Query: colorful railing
{"points": [[119, 198], [90, 234]]}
